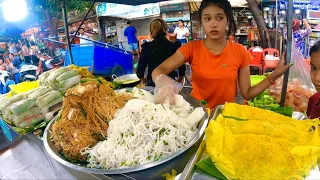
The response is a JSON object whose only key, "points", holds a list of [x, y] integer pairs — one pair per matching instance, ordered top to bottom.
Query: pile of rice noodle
{"points": [[87, 109], [143, 132]]}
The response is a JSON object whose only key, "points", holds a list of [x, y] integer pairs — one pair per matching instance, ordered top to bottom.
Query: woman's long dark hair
{"points": [[226, 6]]}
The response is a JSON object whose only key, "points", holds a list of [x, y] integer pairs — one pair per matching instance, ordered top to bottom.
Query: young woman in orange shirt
{"points": [[217, 64]]}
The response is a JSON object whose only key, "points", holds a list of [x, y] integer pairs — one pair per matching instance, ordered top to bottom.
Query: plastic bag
{"points": [[300, 87]]}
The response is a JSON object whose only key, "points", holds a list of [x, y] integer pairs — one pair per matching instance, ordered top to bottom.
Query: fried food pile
{"points": [[87, 109], [250, 143]]}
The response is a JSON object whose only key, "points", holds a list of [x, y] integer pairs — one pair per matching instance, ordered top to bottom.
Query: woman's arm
{"points": [[306, 24], [169, 65], [249, 92]]}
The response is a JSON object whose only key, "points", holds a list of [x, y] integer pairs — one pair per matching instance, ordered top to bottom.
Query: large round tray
{"points": [[55, 155]]}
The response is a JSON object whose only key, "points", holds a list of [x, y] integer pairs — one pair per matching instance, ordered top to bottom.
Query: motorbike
{"points": [[47, 63], [28, 72], [4, 77], [5, 81]]}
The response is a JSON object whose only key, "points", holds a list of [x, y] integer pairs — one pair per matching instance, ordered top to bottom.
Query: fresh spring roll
{"points": [[67, 75], [53, 76], [43, 77], [66, 84], [39, 92], [26, 94], [3, 97], [44, 100], [9, 101], [54, 105], [22, 106], [7, 113], [28, 118], [32, 120]]}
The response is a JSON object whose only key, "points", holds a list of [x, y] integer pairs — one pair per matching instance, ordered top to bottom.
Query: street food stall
{"points": [[75, 125]]}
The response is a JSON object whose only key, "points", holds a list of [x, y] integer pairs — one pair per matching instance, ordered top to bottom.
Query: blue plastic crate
{"points": [[102, 59]]}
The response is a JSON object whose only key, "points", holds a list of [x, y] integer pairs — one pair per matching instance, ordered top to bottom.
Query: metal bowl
{"points": [[55, 155]]}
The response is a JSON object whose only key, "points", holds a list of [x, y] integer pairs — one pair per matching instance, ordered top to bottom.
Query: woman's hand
{"points": [[281, 69], [166, 89]]}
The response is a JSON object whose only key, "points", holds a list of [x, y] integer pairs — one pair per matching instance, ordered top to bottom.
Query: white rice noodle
{"points": [[143, 132]]}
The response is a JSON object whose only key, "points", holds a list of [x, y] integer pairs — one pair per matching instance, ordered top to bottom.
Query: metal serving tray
{"points": [[55, 155], [190, 172]]}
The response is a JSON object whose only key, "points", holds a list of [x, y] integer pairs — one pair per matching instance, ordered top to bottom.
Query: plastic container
{"points": [[271, 63], [255, 79], [23, 87]]}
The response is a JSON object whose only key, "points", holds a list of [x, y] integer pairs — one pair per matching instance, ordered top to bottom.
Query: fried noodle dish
{"points": [[86, 111]]}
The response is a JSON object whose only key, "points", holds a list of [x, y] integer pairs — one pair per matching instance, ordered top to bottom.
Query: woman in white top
{"points": [[181, 32]]}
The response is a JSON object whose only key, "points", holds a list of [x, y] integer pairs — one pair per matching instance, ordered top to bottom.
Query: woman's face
{"points": [[214, 22], [180, 24], [315, 70]]}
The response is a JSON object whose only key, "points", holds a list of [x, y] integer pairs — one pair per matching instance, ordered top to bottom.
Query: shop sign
{"points": [[301, 4], [174, 7], [128, 11]]}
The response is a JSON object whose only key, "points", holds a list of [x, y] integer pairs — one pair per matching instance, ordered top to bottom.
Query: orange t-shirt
{"points": [[214, 77]]}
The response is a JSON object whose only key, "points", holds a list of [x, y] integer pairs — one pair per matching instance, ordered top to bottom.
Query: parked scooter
{"points": [[28, 72], [4, 77], [5, 81]]}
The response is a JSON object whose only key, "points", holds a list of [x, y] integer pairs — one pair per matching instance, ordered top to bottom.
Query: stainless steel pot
{"points": [[129, 80]]}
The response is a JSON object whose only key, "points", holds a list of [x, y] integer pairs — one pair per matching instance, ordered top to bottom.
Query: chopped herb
{"points": [[83, 111], [152, 118], [147, 126], [161, 132], [165, 142], [149, 157], [123, 163]]}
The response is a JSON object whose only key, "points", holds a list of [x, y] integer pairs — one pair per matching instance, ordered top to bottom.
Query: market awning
{"points": [[129, 2]]}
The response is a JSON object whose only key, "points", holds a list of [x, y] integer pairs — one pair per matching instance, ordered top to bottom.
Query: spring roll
{"points": [[67, 75], [44, 76], [53, 76], [66, 84], [39, 92], [26, 94], [3, 97], [44, 100], [9, 101], [22, 106], [49, 106], [7, 114], [28, 118], [32, 120]]}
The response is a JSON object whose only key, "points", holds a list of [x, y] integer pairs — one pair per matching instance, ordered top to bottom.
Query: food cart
{"points": [[31, 158]]}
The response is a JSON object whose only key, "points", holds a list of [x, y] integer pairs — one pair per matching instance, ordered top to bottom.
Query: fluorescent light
{"points": [[14, 10], [297, 11]]}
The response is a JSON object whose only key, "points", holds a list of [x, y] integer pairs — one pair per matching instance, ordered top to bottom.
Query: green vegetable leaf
{"points": [[208, 167]]}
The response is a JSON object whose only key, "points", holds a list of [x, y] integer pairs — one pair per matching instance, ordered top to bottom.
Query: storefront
{"points": [[173, 11], [139, 16]]}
